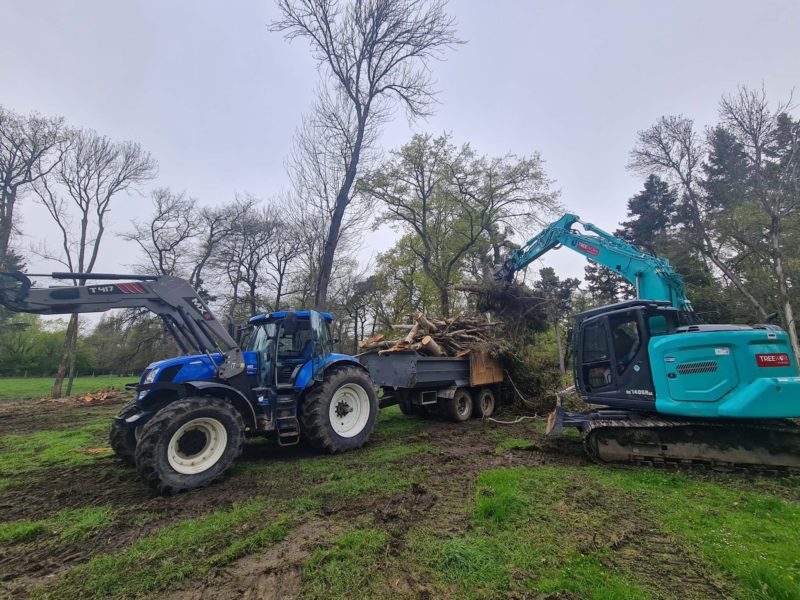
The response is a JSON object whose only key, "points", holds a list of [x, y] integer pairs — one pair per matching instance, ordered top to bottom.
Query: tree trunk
{"points": [[6, 225], [335, 229], [444, 301], [69, 348], [561, 364], [71, 376]]}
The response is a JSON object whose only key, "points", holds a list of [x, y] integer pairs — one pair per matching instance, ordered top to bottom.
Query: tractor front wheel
{"points": [[339, 414], [123, 439], [189, 444]]}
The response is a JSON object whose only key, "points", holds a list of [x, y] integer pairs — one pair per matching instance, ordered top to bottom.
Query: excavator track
{"points": [[771, 447]]}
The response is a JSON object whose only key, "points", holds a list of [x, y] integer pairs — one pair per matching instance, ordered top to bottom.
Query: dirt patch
{"points": [[18, 417], [663, 563], [272, 574]]}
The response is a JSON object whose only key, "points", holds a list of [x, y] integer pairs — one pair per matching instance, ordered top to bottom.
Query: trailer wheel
{"points": [[484, 404], [405, 407], [459, 407], [339, 414], [123, 439], [189, 444]]}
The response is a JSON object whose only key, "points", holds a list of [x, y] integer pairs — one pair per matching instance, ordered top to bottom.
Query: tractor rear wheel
{"points": [[459, 407], [339, 414], [123, 439], [189, 444]]}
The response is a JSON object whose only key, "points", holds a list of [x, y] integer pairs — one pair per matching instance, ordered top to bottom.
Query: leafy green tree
{"points": [[449, 198], [650, 214], [403, 286], [604, 286], [557, 294]]}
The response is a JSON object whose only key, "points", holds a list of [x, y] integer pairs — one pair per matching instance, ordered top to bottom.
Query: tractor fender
{"points": [[304, 379], [225, 392]]}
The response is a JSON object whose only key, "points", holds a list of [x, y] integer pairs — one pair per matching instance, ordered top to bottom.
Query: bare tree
{"points": [[376, 54], [771, 143], [673, 149], [29, 150], [93, 171], [311, 212], [215, 225], [166, 238], [283, 250], [241, 255]]}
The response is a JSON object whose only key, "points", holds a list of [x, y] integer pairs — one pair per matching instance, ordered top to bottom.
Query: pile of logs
{"points": [[456, 336]]}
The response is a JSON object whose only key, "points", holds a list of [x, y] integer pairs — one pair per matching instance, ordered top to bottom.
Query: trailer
{"points": [[455, 387]]}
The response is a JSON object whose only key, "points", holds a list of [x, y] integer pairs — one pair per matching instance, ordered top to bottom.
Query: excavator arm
{"points": [[652, 276], [183, 312]]}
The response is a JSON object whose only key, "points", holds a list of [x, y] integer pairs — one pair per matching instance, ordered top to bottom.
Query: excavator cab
{"points": [[611, 363]]}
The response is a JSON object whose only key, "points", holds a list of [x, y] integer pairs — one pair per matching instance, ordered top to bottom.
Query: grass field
{"points": [[39, 387], [428, 509]]}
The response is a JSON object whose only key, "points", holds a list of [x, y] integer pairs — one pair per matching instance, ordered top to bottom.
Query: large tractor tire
{"points": [[485, 403], [459, 407], [339, 413], [123, 439], [189, 444]]}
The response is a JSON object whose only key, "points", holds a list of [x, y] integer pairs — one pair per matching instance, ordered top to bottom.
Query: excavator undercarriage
{"points": [[625, 437]]}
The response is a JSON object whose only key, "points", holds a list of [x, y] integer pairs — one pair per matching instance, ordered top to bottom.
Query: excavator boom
{"points": [[652, 276]]}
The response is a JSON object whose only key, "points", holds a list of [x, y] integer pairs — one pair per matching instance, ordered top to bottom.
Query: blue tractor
{"points": [[192, 413]]}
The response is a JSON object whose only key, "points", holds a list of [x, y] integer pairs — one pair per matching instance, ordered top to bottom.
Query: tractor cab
{"points": [[289, 347], [611, 362]]}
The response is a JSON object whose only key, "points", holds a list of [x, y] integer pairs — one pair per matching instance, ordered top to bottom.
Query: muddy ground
{"points": [[462, 452], [440, 500]]}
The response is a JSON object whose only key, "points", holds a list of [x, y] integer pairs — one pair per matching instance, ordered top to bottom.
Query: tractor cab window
{"points": [[626, 339], [261, 341], [322, 342], [297, 344]]}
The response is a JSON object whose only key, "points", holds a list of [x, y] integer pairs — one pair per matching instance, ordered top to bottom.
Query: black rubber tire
{"points": [[484, 403], [406, 407], [459, 407], [315, 423], [123, 439], [151, 451]]}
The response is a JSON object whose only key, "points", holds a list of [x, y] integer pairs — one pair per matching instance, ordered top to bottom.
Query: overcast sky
{"points": [[216, 97]]}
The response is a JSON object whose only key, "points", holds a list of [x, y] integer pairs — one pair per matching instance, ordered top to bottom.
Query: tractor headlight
{"points": [[151, 376]]}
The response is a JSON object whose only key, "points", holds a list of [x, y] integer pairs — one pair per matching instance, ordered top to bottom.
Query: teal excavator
{"points": [[662, 387]]}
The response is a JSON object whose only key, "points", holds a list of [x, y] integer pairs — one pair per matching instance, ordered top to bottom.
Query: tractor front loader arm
{"points": [[173, 299]]}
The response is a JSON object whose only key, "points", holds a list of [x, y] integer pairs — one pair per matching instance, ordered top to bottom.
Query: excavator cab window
{"points": [[626, 339], [595, 356]]}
